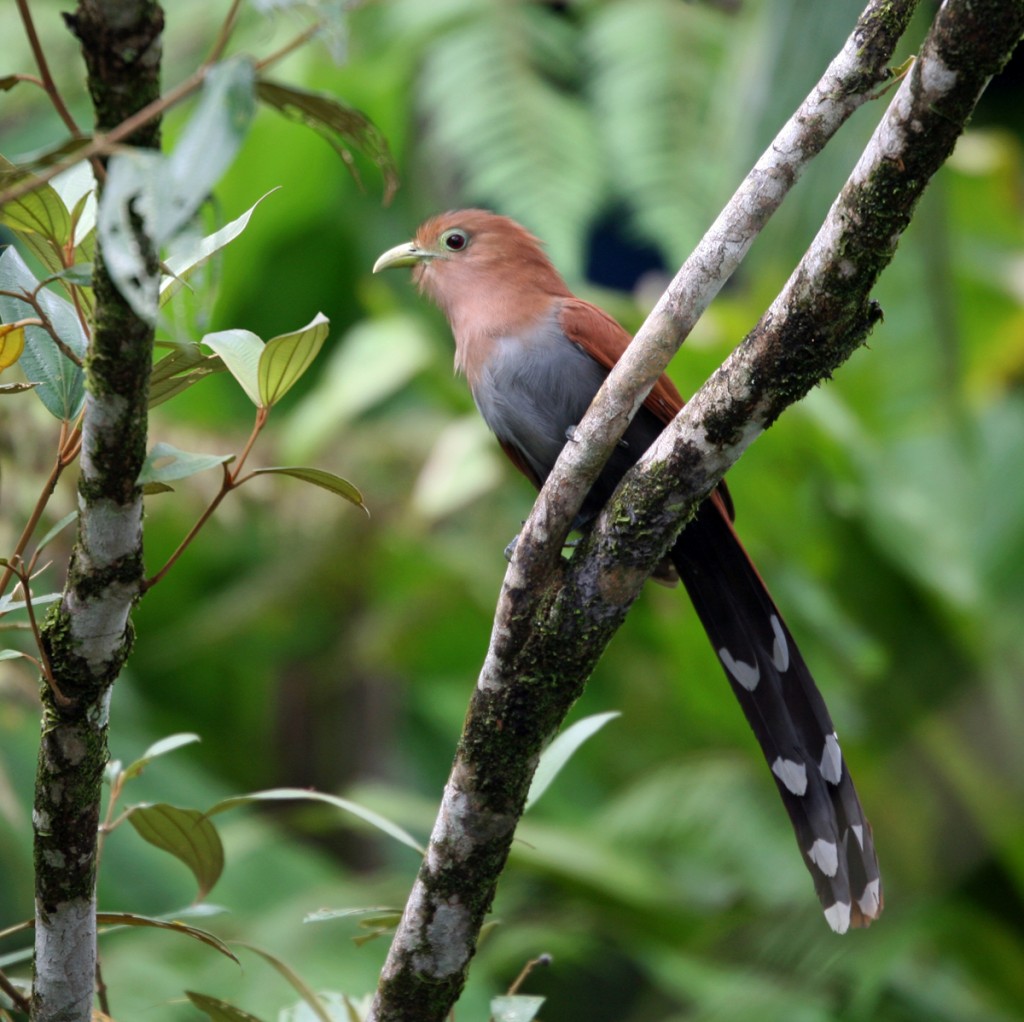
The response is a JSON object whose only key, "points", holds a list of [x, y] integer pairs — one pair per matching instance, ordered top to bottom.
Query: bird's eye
{"points": [[455, 240]]}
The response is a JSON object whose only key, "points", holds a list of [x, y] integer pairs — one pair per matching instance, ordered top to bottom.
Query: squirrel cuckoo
{"points": [[534, 356]]}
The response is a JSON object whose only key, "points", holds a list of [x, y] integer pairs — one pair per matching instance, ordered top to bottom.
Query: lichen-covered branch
{"points": [[553, 621], [88, 635]]}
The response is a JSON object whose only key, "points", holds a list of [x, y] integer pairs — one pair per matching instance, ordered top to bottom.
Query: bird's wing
{"points": [[605, 340]]}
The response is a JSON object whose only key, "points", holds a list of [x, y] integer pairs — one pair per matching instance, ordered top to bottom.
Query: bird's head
{"points": [[468, 256]]}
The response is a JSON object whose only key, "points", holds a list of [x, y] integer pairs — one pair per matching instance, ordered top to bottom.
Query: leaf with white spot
{"points": [[148, 197]]}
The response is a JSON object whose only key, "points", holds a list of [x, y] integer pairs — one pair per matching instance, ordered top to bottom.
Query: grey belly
{"points": [[530, 395]]}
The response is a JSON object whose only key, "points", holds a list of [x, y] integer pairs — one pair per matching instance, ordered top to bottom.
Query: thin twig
{"points": [[224, 35], [300, 40], [44, 69], [103, 144], [31, 298], [60, 463], [230, 481], [44, 659], [18, 999]]}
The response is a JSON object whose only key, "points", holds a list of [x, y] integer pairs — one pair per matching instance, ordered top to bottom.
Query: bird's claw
{"points": [[511, 548]]}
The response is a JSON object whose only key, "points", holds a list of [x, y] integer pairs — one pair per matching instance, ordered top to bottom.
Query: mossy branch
{"points": [[555, 618]]}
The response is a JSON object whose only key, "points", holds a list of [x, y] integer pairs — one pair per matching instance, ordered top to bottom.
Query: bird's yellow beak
{"points": [[406, 254]]}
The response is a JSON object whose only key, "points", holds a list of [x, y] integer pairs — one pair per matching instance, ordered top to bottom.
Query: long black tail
{"points": [[787, 713]]}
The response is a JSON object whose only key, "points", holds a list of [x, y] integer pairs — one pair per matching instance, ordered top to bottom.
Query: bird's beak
{"points": [[406, 254]]}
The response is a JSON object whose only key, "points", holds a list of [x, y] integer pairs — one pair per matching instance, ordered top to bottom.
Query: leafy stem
{"points": [[46, 79], [102, 144], [31, 298], [68, 446], [229, 481], [16, 568]]}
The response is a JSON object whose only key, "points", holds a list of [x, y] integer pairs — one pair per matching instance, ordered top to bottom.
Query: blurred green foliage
{"points": [[311, 646]]}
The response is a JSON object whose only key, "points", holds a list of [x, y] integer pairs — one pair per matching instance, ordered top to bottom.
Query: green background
{"points": [[310, 645]]}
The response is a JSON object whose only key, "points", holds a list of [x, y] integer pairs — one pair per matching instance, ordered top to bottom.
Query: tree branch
{"points": [[553, 621], [88, 634]]}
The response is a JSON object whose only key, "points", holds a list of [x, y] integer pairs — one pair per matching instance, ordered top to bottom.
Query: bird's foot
{"points": [[510, 549]]}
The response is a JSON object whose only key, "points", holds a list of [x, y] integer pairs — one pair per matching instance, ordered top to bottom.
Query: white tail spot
{"points": [[780, 651], [748, 675], [832, 759], [792, 774], [858, 833], [825, 856], [870, 902], [838, 916]]}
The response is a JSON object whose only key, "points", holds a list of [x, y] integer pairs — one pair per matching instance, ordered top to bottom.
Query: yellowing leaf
{"points": [[12, 344]]}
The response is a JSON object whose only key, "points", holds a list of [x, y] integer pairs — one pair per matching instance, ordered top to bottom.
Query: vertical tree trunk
{"points": [[88, 635]]}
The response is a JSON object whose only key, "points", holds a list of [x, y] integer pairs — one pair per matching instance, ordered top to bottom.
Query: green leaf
{"points": [[341, 126], [216, 130], [166, 191], [39, 218], [193, 255], [80, 274], [240, 350], [286, 357], [177, 371], [61, 382], [179, 464], [318, 477], [56, 529], [8, 603], [13, 654], [160, 748], [561, 750], [287, 794], [187, 834], [321, 915], [175, 925], [301, 987], [339, 1008], [515, 1008], [218, 1010]]}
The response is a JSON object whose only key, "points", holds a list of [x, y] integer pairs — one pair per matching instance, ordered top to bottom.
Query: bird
{"points": [[534, 356]]}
